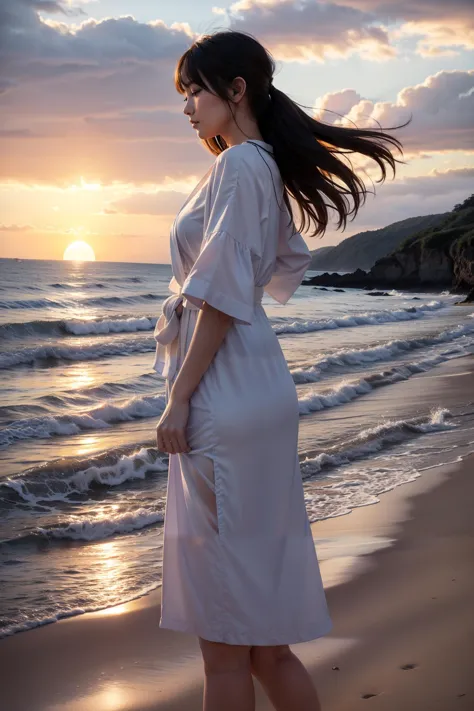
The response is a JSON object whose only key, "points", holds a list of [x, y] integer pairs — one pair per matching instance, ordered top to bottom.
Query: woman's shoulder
{"points": [[246, 160]]}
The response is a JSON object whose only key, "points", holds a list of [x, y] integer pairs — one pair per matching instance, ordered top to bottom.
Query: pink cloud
{"points": [[442, 27], [309, 30], [97, 100], [442, 110], [161, 202], [15, 228]]}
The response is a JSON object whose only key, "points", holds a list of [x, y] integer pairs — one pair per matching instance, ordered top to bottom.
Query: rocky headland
{"points": [[438, 257]]}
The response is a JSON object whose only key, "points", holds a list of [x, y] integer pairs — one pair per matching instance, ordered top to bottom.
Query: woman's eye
{"points": [[193, 93]]}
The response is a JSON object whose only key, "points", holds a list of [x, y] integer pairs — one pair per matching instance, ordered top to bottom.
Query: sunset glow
{"points": [[114, 157], [79, 251]]}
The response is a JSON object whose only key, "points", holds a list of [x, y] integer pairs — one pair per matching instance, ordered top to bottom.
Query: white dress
{"points": [[239, 562]]}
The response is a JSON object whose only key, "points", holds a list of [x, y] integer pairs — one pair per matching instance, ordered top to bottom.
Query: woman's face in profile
{"points": [[208, 113]]}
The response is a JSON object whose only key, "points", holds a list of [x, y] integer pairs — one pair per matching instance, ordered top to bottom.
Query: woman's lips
{"points": [[194, 123]]}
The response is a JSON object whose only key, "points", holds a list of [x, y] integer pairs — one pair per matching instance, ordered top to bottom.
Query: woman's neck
{"points": [[244, 128]]}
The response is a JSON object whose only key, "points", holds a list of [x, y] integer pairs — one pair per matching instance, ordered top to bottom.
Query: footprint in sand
{"points": [[409, 666], [368, 696]]}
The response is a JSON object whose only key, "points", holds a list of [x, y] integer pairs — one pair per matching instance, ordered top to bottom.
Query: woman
{"points": [[240, 568]]}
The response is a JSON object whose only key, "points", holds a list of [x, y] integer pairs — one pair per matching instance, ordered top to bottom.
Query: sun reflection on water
{"points": [[80, 375], [87, 444], [108, 569]]}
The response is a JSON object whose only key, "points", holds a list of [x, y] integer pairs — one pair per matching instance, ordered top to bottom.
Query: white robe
{"points": [[239, 562]]}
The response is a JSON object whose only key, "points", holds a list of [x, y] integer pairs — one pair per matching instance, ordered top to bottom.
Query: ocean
{"points": [[82, 486]]}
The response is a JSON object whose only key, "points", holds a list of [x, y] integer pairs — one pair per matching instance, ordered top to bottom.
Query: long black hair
{"points": [[304, 148]]}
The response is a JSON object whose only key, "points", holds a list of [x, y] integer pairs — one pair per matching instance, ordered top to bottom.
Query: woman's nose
{"points": [[187, 108]]}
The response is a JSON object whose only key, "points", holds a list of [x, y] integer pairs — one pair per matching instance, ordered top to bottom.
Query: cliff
{"points": [[363, 249], [438, 256]]}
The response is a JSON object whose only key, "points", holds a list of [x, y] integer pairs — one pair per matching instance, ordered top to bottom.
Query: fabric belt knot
{"points": [[167, 332], [166, 336]]}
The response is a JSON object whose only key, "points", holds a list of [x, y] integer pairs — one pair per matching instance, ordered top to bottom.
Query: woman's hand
{"points": [[170, 430]]}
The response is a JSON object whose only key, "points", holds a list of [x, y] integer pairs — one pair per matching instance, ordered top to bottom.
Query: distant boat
{"points": [[17, 259]]}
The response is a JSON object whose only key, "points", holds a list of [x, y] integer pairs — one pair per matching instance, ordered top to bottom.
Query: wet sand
{"points": [[403, 630]]}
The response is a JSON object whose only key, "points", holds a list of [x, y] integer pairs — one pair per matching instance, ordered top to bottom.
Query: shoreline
{"points": [[399, 582], [119, 659]]}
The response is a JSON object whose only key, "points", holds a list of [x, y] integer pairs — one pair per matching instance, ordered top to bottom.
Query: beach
{"points": [[157, 148], [82, 484], [399, 581]]}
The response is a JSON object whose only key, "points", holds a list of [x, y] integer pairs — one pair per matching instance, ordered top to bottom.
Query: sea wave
{"points": [[132, 280], [78, 285], [93, 285], [117, 300], [90, 301], [31, 304], [369, 318], [131, 324], [76, 327], [80, 352], [352, 358], [349, 390], [142, 406], [47, 407], [99, 417], [375, 439], [58, 484], [40, 486], [92, 529], [38, 620]]}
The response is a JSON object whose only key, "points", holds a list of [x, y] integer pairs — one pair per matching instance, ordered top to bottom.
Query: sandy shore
{"points": [[406, 602]]}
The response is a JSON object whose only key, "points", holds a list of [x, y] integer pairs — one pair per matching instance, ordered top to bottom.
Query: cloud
{"points": [[442, 27], [299, 30], [309, 30], [440, 39], [94, 99], [97, 100], [332, 106], [442, 110], [436, 183], [428, 194], [161, 202], [15, 228]]}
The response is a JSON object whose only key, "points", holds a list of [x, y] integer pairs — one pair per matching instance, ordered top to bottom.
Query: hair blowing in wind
{"points": [[306, 150]]}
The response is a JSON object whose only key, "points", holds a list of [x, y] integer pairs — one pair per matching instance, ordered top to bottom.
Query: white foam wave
{"points": [[90, 301], [369, 318], [129, 325], [86, 327], [29, 356], [356, 357], [349, 390], [140, 407], [100, 417], [374, 439], [128, 467], [362, 489], [95, 529], [70, 612]]}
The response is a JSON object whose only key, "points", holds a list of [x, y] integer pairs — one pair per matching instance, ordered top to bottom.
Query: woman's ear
{"points": [[237, 89]]}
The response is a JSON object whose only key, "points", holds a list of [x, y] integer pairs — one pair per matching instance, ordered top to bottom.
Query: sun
{"points": [[79, 251]]}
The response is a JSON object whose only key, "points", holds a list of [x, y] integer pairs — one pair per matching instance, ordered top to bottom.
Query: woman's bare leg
{"points": [[286, 681], [228, 682]]}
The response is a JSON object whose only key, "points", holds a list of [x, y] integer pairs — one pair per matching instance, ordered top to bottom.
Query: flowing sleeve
{"points": [[292, 261], [223, 274]]}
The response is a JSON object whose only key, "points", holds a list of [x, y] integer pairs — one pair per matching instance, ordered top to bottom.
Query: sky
{"points": [[95, 145]]}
